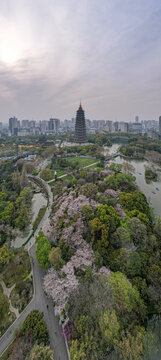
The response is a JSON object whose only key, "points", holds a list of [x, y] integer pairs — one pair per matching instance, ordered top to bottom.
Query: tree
{"points": [[115, 167], [128, 168], [45, 174], [23, 178], [121, 181], [89, 190], [134, 201], [23, 205], [87, 212], [8, 213], [108, 216], [141, 216], [22, 220], [137, 231], [120, 238], [99, 239], [43, 250], [66, 251], [5, 254], [55, 258], [137, 264], [128, 303], [4, 307], [35, 322], [110, 327], [131, 347], [77, 351], [41, 352]]}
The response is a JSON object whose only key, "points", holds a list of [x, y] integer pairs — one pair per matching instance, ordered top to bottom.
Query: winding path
{"points": [[40, 301]]}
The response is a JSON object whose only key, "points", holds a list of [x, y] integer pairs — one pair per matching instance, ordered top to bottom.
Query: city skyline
{"points": [[53, 53]]}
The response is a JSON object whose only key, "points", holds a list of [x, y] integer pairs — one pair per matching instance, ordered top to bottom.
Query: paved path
{"points": [[7, 291], [39, 302]]}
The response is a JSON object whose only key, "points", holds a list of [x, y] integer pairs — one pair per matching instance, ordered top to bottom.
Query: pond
{"points": [[152, 190], [38, 201]]}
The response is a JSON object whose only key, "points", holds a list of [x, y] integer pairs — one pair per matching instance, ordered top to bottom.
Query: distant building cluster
{"points": [[81, 126]]}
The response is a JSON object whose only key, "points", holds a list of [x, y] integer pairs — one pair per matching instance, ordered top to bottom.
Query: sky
{"points": [[105, 52]]}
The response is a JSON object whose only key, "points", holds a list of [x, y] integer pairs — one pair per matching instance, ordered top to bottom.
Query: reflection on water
{"points": [[152, 190], [38, 201]]}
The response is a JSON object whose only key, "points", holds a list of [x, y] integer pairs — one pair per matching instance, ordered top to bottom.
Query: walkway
{"points": [[7, 291], [39, 302]]}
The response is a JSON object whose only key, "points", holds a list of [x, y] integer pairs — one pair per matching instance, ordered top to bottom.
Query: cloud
{"points": [[52, 53]]}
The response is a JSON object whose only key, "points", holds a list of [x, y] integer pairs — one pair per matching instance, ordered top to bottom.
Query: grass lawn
{"points": [[78, 161], [82, 161], [58, 173], [52, 183], [18, 267], [17, 271], [21, 295], [7, 319]]}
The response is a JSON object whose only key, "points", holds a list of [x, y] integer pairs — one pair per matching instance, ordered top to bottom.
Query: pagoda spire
{"points": [[80, 106]]}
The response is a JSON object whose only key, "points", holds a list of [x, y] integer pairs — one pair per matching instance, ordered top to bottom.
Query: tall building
{"points": [[136, 118], [54, 125], [160, 125], [13, 126], [80, 126]]}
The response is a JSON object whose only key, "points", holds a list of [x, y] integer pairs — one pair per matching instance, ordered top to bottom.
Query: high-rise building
{"points": [[136, 118], [25, 123], [54, 125], [160, 125], [13, 126], [80, 126]]}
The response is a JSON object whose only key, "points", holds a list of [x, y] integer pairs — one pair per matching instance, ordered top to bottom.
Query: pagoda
{"points": [[80, 126]]}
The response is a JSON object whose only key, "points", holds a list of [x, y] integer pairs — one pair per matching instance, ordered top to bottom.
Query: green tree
{"points": [[115, 167], [45, 174], [120, 181], [89, 190], [134, 201], [87, 212], [8, 214], [108, 216], [141, 216], [22, 220], [138, 232], [99, 239], [43, 250], [66, 251], [5, 254], [55, 258], [126, 298], [4, 307], [35, 322], [110, 327], [131, 347], [77, 351], [41, 352]]}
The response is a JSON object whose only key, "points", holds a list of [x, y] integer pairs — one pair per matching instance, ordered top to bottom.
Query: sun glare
{"points": [[9, 53]]}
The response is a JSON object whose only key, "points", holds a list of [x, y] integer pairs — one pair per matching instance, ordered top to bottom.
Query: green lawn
{"points": [[79, 161], [82, 161], [58, 173]]}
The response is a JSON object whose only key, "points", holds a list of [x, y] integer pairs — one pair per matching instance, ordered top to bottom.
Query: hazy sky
{"points": [[105, 52]]}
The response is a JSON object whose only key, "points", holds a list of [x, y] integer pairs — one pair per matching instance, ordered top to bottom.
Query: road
{"points": [[39, 302]]}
